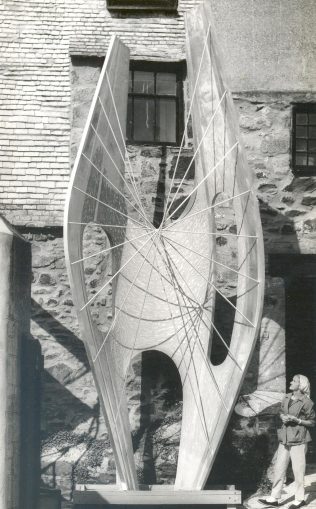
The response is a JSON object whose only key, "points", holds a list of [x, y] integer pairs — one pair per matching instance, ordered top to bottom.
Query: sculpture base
{"points": [[93, 496]]}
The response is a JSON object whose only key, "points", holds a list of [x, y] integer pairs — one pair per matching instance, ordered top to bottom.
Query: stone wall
{"points": [[286, 202]]}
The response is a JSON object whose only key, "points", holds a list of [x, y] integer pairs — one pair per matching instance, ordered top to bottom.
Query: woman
{"points": [[297, 415]]}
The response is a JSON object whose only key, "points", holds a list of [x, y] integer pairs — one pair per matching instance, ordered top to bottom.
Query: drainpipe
{"points": [[14, 321]]}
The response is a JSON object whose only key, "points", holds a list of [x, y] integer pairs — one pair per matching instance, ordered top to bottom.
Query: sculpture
{"points": [[164, 287]]}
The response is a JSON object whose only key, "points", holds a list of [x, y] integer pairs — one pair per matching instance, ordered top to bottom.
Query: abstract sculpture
{"points": [[164, 279]]}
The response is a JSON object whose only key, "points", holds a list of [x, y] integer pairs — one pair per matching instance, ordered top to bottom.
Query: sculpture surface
{"points": [[164, 279]]}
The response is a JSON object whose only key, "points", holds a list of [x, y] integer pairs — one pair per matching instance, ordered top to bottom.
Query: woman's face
{"points": [[295, 384]]}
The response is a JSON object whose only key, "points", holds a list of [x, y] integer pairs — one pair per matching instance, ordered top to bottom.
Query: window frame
{"points": [[177, 68], [300, 170]]}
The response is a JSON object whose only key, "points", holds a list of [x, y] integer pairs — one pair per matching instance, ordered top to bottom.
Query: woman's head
{"points": [[300, 383]]}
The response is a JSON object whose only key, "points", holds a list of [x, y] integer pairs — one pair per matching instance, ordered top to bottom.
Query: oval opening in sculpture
{"points": [[226, 262], [97, 268], [154, 393]]}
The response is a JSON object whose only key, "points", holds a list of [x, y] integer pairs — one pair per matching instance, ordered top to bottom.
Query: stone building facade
{"points": [[52, 52]]}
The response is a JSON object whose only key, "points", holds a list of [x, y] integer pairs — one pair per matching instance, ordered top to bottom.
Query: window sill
{"points": [[142, 5], [151, 144], [311, 172]]}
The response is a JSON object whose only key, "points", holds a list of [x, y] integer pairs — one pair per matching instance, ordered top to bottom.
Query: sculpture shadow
{"points": [[60, 333]]}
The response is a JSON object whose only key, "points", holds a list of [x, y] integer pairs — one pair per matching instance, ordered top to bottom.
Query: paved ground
{"points": [[288, 493]]}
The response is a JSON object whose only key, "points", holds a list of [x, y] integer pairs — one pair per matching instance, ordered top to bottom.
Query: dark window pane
{"points": [[144, 82], [130, 83], [166, 83], [152, 114], [301, 118], [312, 118], [144, 119], [166, 120], [129, 126], [301, 132], [312, 132], [301, 145], [312, 145], [301, 159], [311, 160]]}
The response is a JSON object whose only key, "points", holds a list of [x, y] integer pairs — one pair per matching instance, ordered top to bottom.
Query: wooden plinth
{"points": [[91, 496]]}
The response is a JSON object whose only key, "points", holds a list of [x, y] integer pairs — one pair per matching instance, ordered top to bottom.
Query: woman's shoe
{"points": [[270, 504], [299, 504]]}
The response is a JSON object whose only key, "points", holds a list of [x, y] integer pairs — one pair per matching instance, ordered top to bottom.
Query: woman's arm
{"points": [[282, 414], [309, 420], [309, 423]]}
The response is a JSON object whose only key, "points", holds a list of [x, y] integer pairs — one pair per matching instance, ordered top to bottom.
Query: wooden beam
{"points": [[156, 495]]}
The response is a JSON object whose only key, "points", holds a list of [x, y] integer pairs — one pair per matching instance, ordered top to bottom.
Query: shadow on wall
{"points": [[61, 333], [75, 446], [71, 455]]}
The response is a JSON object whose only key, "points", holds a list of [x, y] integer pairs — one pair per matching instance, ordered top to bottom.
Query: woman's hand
{"points": [[284, 418], [289, 418], [292, 418]]}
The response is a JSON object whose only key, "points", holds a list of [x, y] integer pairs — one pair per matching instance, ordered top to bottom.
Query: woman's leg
{"points": [[298, 459], [280, 467]]}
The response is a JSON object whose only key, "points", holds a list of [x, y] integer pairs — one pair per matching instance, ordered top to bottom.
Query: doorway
{"points": [[299, 273]]}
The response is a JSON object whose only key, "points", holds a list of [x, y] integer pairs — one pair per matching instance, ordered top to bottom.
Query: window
{"points": [[142, 5], [155, 103], [304, 139]]}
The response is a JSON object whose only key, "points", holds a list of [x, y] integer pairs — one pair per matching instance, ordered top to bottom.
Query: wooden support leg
{"points": [[231, 487]]}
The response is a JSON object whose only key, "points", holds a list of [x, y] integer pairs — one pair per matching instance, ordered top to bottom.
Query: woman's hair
{"points": [[304, 385]]}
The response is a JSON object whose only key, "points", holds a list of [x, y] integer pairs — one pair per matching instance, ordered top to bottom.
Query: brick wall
{"points": [[35, 96]]}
